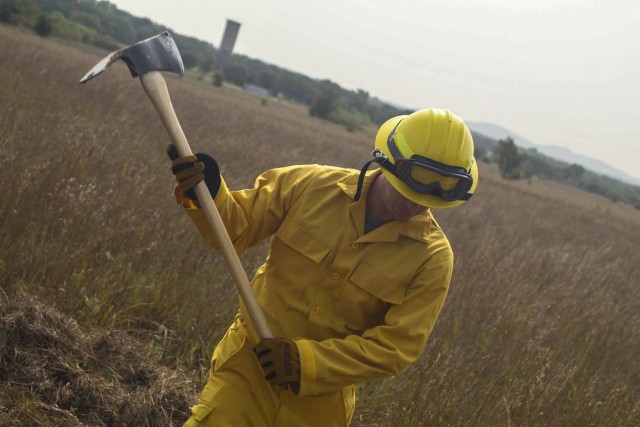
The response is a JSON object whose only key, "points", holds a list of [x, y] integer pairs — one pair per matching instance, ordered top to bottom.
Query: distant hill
{"points": [[498, 132], [559, 153], [594, 165], [554, 168]]}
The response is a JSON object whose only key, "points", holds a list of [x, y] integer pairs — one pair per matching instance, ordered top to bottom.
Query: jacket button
{"points": [[355, 245], [335, 276], [319, 310]]}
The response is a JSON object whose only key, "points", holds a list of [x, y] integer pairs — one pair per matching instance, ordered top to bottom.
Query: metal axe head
{"points": [[157, 53]]}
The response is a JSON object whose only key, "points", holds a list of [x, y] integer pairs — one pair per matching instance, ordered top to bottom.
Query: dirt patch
{"points": [[54, 372]]}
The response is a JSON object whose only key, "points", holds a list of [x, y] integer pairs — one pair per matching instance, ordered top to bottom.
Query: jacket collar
{"points": [[417, 228]]}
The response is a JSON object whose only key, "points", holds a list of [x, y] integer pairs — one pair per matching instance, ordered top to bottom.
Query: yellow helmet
{"points": [[428, 157]]}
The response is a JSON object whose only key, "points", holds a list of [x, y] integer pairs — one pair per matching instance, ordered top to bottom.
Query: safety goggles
{"points": [[423, 175]]}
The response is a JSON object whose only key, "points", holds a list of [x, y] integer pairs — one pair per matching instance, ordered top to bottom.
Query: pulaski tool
{"points": [[146, 59]]}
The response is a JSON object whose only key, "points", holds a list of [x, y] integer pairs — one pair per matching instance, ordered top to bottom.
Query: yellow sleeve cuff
{"points": [[308, 370]]}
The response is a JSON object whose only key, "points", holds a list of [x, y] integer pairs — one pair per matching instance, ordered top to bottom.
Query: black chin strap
{"points": [[378, 157]]}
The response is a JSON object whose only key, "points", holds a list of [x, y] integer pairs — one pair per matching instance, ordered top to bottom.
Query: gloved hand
{"points": [[190, 170], [280, 362]]}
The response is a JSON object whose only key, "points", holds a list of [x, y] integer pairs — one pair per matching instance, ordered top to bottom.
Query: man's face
{"points": [[394, 205]]}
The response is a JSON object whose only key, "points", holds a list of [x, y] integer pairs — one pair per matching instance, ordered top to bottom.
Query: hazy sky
{"points": [[560, 72]]}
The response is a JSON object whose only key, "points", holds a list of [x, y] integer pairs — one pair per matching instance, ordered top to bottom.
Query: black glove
{"points": [[190, 170], [280, 362]]}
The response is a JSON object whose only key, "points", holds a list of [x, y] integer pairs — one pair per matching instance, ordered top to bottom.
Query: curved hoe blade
{"points": [[157, 53], [102, 65]]}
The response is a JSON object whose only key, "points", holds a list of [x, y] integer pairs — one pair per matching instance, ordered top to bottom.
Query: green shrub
{"points": [[43, 26]]}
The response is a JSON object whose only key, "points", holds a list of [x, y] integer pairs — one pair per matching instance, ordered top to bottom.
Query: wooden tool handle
{"points": [[156, 89]]}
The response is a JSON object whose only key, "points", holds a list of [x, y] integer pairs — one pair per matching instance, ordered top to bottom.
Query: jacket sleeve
{"points": [[251, 215], [384, 350]]}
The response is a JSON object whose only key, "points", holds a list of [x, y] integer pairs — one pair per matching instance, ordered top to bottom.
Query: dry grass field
{"points": [[541, 327]]}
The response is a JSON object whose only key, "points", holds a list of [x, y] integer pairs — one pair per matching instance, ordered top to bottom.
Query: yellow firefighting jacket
{"points": [[359, 306]]}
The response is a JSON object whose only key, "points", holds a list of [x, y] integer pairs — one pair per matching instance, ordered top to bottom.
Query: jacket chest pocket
{"points": [[294, 258], [366, 297]]}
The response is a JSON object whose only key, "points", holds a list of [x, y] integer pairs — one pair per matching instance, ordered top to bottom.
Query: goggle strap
{"points": [[379, 160]]}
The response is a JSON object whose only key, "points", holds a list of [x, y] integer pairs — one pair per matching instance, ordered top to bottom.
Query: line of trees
{"points": [[102, 24], [325, 99], [516, 163]]}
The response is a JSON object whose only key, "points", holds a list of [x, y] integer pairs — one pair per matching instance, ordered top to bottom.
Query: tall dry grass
{"points": [[541, 326]]}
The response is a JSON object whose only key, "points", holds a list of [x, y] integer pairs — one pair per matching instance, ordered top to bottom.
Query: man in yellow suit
{"points": [[356, 276]]}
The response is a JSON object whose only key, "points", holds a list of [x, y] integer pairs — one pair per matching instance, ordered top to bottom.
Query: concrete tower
{"points": [[228, 41]]}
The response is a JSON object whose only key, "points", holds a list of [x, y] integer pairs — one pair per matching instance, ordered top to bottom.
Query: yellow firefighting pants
{"points": [[236, 394]]}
